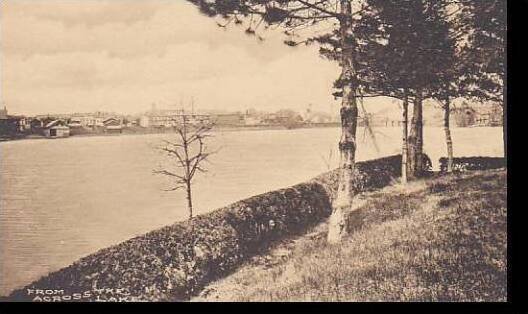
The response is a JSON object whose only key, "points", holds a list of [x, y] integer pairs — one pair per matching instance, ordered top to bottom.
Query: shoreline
{"points": [[216, 129], [147, 131]]}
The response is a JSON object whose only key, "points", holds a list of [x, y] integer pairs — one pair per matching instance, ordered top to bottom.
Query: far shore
{"points": [[146, 131]]}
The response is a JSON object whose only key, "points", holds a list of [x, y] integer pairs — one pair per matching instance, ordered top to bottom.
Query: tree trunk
{"points": [[505, 109], [505, 120], [447, 132], [505, 133], [405, 135], [416, 137], [419, 138], [347, 144], [411, 148], [188, 186], [189, 200], [191, 222]]}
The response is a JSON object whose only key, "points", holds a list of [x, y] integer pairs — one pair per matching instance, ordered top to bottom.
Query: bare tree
{"points": [[189, 153]]}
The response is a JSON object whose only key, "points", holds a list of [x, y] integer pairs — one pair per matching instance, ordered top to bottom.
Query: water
{"points": [[63, 199]]}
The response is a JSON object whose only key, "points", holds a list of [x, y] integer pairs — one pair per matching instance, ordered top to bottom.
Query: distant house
{"points": [[478, 115], [490, 115], [91, 120], [75, 123], [11, 125], [36, 125], [113, 125], [56, 128]]}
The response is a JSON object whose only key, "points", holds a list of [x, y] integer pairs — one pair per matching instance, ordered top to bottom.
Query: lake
{"points": [[62, 199]]}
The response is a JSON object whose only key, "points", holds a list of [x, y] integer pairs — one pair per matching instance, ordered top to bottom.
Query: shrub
{"points": [[473, 163], [370, 174]]}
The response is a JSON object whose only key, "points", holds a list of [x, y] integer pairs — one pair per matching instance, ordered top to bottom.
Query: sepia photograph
{"points": [[253, 151]]}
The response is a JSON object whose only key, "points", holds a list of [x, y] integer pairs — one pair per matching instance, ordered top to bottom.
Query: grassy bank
{"points": [[440, 239]]}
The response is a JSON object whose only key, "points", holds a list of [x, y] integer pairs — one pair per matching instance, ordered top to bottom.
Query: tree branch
{"points": [[322, 10]]}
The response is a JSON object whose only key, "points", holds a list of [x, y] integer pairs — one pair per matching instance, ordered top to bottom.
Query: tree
{"points": [[298, 14], [472, 36], [402, 51], [484, 52], [396, 56], [431, 56], [388, 61], [448, 80], [189, 153]]}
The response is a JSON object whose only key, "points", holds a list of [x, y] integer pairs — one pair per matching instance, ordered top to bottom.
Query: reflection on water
{"points": [[63, 199]]}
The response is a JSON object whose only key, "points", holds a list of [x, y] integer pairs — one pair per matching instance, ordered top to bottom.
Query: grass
{"points": [[441, 239]]}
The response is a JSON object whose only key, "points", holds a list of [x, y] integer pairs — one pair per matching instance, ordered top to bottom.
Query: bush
{"points": [[473, 163], [369, 175]]}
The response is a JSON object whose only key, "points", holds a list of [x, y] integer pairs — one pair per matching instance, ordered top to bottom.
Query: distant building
{"points": [[3, 113], [478, 115], [490, 115], [159, 118], [170, 118], [286, 118], [228, 119], [92, 120], [162, 120], [95, 121], [75, 123], [11, 125], [36, 125], [113, 125], [56, 128]]}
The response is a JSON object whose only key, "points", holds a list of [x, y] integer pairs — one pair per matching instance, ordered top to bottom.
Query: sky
{"points": [[64, 56]]}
